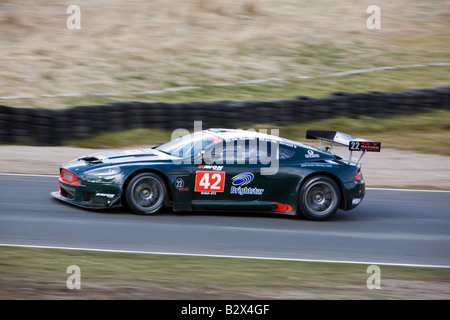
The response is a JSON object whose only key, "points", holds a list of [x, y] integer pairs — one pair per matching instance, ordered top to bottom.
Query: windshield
{"points": [[189, 145]]}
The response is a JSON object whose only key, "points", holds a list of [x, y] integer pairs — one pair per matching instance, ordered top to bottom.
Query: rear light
{"points": [[358, 176], [68, 177]]}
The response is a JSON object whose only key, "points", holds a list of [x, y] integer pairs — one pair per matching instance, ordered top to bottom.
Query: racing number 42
{"points": [[209, 181]]}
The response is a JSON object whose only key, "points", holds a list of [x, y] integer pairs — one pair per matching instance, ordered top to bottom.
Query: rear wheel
{"points": [[146, 193], [319, 198]]}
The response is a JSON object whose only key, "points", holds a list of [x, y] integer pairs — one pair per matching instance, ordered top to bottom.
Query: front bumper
{"points": [[89, 196]]}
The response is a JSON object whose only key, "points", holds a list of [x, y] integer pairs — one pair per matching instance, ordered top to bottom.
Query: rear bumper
{"points": [[355, 192]]}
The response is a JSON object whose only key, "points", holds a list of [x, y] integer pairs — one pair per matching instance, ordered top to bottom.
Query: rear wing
{"points": [[353, 143]]}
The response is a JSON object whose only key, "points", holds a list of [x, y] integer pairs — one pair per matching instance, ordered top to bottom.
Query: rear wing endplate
{"points": [[335, 137]]}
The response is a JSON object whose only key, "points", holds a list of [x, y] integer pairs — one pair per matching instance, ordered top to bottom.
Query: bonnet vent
{"points": [[92, 160]]}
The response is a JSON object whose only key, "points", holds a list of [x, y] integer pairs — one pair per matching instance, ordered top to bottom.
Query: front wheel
{"points": [[146, 193], [319, 198]]}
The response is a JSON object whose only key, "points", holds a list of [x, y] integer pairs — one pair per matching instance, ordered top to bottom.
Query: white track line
{"points": [[29, 175], [406, 190], [229, 256]]}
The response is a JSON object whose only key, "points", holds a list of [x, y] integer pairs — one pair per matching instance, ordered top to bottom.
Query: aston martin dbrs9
{"points": [[223, 169]]}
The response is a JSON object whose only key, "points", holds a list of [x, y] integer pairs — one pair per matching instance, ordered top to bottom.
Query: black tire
{"points": [[146, 193], [319, 198]]}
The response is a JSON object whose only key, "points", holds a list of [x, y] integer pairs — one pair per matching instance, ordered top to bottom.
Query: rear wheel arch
{"points": [[320, 180], [343, 199]]}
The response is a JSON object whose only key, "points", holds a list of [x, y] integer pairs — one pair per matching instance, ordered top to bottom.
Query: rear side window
{"points": [[285, 153]]}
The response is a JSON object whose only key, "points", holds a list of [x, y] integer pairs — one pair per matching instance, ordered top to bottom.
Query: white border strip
{"points": [[254, 81], [29, 175], [406, 190], [228, 256]]}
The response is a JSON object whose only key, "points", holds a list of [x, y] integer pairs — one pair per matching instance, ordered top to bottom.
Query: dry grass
{"points": [[132, 46]]}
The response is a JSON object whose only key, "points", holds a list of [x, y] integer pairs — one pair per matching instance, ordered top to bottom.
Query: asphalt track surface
{"points": [[389, 227]]}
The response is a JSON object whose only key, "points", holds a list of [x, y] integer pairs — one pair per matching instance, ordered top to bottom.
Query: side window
{"points": [[199, 145], [253, 151], [264, 151], [222, 152], [237, 152], [249, 152], [285, 152]]}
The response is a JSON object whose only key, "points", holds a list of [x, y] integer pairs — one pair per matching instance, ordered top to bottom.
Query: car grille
{"points": [[67, 192]]}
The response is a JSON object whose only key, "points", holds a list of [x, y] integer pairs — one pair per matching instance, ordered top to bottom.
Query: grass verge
{"points": [[425, 132], [37, 273]]}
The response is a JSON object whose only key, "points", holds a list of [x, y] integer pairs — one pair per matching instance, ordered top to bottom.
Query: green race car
{"points": [[223, 169]]}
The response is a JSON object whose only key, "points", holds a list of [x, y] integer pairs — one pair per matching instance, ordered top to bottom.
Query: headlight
{"points": [[101, 174], [68, 177]]}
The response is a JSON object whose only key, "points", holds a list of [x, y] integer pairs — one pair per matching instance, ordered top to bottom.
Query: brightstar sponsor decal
{"points": [[241, 180], [246, 190]]}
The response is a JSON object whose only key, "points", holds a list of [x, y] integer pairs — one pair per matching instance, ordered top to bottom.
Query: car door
{"points": [[233, 172]]}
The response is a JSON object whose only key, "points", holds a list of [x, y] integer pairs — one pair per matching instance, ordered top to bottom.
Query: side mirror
{"points": [[199, 157], [209, 157]]}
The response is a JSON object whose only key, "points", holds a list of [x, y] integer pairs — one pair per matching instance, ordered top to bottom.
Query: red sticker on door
{"points": [[209, 181]]}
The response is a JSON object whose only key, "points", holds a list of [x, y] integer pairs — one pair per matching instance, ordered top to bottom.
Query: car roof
{"points": [[239, 133], [227, 134]]}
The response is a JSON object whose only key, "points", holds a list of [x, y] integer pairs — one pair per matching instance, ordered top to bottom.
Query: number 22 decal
{"points": [[355, 145], [209, 181]]}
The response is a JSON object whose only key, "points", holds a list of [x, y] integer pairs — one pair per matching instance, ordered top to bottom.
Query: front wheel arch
{"points": [[130, 178]]}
